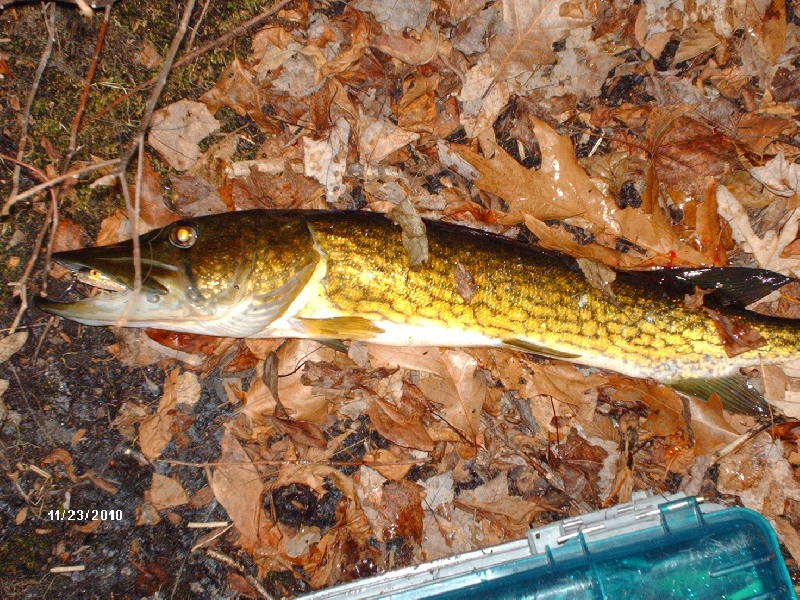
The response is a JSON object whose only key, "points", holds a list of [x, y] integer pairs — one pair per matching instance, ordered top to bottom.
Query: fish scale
{"points": [[522, 294]]}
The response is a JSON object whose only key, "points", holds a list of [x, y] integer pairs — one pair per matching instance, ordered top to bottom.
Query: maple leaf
{"points": [[532, 28]]}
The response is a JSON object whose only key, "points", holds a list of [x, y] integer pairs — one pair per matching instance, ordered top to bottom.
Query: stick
{"points": [[26, 115]]}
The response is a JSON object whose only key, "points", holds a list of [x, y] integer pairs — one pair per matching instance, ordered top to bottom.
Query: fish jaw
{"points": [[126, 308]]}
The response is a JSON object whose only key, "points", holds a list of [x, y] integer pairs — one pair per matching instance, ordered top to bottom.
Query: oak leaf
{"points": [[532, 27]]}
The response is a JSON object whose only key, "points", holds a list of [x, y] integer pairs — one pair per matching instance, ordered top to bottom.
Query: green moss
{"points": [[24, 554]]}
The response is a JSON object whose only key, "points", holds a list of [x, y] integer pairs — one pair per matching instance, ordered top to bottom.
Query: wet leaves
{"points": [[635, 136]]}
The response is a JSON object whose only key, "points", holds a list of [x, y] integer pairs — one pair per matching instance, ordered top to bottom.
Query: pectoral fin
{"points": [[340, 328], [536, 349], [736, 395]]}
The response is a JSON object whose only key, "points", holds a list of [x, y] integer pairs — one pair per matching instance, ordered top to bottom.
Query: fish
{"points": [[339, 275]]}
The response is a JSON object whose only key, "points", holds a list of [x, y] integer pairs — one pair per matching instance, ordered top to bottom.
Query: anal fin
{"points": [[537, 349], [736, 394]]}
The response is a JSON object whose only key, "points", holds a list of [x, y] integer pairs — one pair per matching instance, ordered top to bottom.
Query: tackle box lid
{"points": [[660, 547]]}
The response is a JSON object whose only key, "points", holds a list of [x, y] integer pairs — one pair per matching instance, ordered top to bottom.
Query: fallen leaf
{"points": [[411, 14], [532, 27], [410, 50], [148, 56], [177, 129], [380, 138], [683, 146], [326, 160], [781, 177], [561, 189], [195, 197], [153, 208], [413, 232], [68, 236], [766, 250], [736, 337], [11, 344], [459, 392], [396, 426], [710, 429], [155, 431], [759, 476], [238, 487], [165, 492], [493, 502]]}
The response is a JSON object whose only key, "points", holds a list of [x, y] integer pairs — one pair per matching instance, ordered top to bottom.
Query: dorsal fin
{"points": [[727, 286]]}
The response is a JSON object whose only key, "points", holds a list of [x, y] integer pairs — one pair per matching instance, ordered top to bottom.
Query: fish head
{"points": [[229, 274]]}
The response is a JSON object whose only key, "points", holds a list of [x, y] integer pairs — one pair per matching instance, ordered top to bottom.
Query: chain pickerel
{"points": [[346, 275]]}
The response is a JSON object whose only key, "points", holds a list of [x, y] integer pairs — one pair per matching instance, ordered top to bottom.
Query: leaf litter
{"points": [[629, 135]]}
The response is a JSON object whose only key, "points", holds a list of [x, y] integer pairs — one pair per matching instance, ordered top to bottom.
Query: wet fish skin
{"points": [[346, 275]]}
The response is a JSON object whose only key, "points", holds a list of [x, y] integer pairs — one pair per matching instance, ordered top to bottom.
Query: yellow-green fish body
{"points": [[346, 275]]}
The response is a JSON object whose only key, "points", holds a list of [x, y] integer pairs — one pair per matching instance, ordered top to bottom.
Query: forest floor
{"points": [[151, 464]]}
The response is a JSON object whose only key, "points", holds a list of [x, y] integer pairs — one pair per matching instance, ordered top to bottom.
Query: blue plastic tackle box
{"points": [[659, 547]]}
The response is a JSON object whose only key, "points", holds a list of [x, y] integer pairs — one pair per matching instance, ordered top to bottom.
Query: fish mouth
{"points": [[110, 271]]}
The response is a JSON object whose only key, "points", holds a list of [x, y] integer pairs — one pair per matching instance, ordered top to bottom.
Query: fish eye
{"points": [[183, 236], [152, 298]]}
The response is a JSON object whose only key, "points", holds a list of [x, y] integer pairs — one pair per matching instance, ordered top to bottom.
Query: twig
{"points": [[193, 34], [187, 58], [26, 115], [76, 121], [49, 183], [21, 285], [300, 462], [225, 559]]}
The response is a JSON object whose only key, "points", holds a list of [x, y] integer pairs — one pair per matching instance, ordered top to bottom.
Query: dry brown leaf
{"points": [[399, 16], [533, 26], [773, 34], [411, 51], [346, 59], [236, 88], [416, 110], [176, 131], [757, 132], [684, 147], [326, 160], [195, 197], [153, 208], [709, 228], [114, 229], [413, 232], [68, 236], [736, 337], [11, 344], [563, 382], [459, 392], [302, 402], [666, 405], [396, 426], [710, 430], [155, 431], [301, 432], [579, 463], [388, 464], [760, 476], [238, 487], [165, 492], [493, 501]]}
